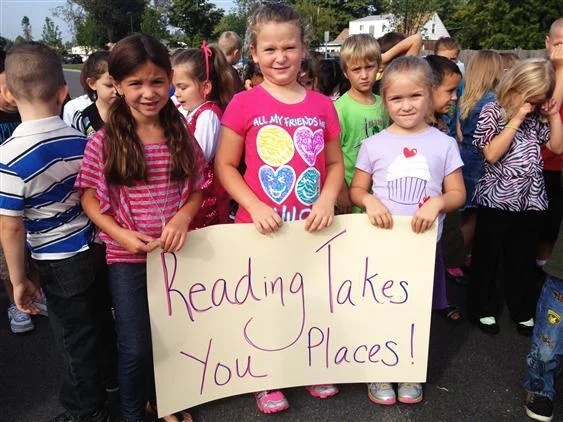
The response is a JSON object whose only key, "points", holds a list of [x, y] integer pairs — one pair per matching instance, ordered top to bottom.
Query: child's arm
{"points": [[410, 46], [557, 60], [555, 143], [500, 144], [227, 160], [452, 198], [343, 202], [322, 211], [378, 214], [174, 234], [12, 237], [132, 241]]}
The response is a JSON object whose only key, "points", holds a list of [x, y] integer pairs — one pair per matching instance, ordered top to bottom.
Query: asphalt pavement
{"points": [[472, 376]]}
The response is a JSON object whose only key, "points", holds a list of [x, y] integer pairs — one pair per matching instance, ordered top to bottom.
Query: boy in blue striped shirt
{"points": [[38, 167]]}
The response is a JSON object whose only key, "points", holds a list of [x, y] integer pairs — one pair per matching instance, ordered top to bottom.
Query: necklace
{"points": [[160, 209]]}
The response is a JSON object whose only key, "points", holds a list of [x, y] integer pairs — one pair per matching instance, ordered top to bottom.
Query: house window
{"points": [[361, 28], [433, 28], [372, 29]]}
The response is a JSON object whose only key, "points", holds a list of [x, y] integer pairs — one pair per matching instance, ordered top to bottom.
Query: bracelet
{"points": [[510, 127]]}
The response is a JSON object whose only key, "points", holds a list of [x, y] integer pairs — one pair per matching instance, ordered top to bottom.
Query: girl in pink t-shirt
{"points": [[203, 88], [289, 136], [141, 196]]}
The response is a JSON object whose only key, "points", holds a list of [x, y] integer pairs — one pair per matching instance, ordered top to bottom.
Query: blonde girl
{"points": [[484, 70], [289, 136], [409, 169], [141, 181], [511, 194]]}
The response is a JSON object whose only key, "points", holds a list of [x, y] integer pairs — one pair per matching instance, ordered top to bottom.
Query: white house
{"points": [[379, 25]]}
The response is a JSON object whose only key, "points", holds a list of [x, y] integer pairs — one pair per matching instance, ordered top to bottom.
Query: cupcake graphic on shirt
{"points": [[407, 177]]}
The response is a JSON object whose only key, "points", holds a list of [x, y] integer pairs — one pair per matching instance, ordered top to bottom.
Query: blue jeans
{"points": [[128, 284], [75, 317], [547, 340]]}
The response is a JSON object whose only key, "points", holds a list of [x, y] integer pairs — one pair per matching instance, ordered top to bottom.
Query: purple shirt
{"points": [[408, 169]]}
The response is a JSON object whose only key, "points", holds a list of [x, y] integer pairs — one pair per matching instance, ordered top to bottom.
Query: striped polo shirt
{"points": [[38, 167]]}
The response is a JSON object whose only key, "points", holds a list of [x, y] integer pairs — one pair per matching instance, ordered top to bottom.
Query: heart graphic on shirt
{"points": [[308, 144], [409, 152], [277, 183], [308, 186]]}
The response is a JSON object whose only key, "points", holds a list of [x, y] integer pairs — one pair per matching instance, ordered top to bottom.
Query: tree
{"points": [[70, 13], [409, 16], [116, 18], [196, 18], [317, 20], [231, 22], [153, 24], [503, 24], [26, 27], [90, 33], [51, 35], [19, 40], [5, 43]]}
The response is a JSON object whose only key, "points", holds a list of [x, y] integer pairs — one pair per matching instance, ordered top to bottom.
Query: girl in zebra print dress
{"points": [[511, 195]]}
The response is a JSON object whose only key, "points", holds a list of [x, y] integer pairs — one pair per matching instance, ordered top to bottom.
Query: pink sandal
{"points": [[322, 391], [271, 401]]}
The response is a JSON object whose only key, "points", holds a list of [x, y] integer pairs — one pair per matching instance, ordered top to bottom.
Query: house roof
{"points": [[373, 18], [343, 35]]}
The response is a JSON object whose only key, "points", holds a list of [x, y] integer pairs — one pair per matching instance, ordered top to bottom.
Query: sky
{"points": [[12, 12]]}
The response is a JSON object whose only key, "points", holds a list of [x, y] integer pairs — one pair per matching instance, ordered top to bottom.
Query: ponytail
{"points": [[208, 63]]}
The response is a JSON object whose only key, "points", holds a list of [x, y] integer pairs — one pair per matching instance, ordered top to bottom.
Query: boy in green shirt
{"points": [[361, 113]]}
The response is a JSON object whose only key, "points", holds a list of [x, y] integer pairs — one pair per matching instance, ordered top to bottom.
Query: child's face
{"points": [[279, 51], [451, 54], [361, 74], [104, 87], [145, 90], [189, 92], [445, 94], [407, 101], [5, 105]]}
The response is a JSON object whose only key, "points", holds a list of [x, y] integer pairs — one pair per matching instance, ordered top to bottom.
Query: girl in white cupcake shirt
{"points": [[409, 169]]}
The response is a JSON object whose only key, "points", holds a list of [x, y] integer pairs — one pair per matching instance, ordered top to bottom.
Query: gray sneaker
{"points": [[42, 305], [20, 322], [410, 392], [381, 393]]}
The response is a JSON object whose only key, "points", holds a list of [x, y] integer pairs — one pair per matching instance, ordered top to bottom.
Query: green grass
{"points": [[72, 66]]}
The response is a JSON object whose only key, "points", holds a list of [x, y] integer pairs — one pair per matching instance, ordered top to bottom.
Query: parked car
{"points": [[72, 59]]}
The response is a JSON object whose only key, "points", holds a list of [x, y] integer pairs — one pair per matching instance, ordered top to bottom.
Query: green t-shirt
{"points": [[358, 122], [554, 266]]}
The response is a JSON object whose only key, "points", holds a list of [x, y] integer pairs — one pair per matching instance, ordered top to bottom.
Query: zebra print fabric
{"points": [[515, 182]]}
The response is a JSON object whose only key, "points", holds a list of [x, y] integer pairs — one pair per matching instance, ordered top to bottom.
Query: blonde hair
{"points": [[274, 13], [228, 42], [359, 47], [413, 66], [484, 71], [528, 78]]}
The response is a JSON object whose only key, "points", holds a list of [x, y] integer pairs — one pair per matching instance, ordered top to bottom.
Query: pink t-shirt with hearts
{"points": [[284, 148]]}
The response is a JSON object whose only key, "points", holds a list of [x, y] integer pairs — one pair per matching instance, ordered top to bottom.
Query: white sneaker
{"points": [[20, 322]]}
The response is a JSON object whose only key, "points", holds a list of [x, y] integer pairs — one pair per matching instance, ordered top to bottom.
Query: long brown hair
{"points": [[222, 84], [125, 160]]}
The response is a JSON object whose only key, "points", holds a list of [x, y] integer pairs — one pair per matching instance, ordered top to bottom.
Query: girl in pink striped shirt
{"points": [[141, 179]]}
